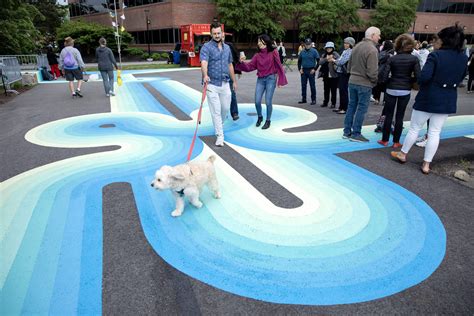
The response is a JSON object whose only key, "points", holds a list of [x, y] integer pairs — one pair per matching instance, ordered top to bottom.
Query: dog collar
{"points": [[181, 193]]}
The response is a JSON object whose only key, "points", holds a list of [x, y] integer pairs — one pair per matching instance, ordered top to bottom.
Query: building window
{"points": [[445, 6]]}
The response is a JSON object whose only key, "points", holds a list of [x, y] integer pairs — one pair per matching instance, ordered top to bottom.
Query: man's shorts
{"points": [[72, 74]]}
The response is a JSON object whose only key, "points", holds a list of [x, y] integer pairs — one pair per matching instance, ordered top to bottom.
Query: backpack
{"points": [[69, 60], [47, 76]]}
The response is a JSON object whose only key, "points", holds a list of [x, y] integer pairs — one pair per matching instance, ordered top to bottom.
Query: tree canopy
{"points": [[255, 17], [325, 17], [394, 17], [18, 34], [87, 34]]}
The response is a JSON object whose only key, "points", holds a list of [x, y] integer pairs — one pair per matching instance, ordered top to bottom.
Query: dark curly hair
{"points": [[452, 37], [404, 43]]}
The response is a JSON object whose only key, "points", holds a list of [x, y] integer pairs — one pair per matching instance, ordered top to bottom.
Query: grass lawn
{"points": [[140, 67]]}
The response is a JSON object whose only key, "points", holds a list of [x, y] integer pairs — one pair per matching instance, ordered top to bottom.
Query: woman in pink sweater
{"points": [[269, 72]]}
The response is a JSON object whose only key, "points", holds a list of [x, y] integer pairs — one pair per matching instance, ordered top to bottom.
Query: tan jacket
{"points": [[364, 64]]}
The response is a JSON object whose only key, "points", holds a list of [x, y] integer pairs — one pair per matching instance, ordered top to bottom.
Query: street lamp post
{"points": [[147, 32]]}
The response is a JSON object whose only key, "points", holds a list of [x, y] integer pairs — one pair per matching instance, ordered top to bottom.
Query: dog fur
{"points": [[187, 180]]}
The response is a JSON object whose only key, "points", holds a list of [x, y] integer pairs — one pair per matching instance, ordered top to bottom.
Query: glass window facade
{"points": [[446, 6], [84, 7], [163, 36]]}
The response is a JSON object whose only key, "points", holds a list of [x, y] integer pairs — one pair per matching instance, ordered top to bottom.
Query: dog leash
{"points": [[198, 122]]}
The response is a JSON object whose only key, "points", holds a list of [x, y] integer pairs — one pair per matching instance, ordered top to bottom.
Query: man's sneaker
{"points": [[78, 93], [112, 93], [107, 95], [235, 117], [346, 136], [359, 139], [220, 141], [422, 142]]}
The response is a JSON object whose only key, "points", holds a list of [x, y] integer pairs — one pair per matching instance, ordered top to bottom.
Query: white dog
{"points": [[187, 180]]}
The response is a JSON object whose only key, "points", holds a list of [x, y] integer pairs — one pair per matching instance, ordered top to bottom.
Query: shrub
{"points": [[134, 51], [145, 56], [155, 56], [165, 56]]}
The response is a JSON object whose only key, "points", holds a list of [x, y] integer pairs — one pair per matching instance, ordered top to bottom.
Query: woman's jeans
{"points": [[108, 80], [265, 84]]}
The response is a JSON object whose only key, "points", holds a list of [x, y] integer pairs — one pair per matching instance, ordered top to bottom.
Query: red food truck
{"points": [[193, 37]]}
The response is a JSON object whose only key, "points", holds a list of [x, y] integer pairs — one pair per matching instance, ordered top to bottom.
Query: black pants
{"points": [[305, 76], [469, 81], [330, 87], [343, 91], [377, 91], [390, 103]]}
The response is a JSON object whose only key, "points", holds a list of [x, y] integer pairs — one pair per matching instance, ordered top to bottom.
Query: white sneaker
{"points": [[112, 93], [107, 95], [372, 99], [220, 141], [422, 143]]}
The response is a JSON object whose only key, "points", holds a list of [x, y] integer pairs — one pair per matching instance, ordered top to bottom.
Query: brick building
{"points": [[166, 16]]}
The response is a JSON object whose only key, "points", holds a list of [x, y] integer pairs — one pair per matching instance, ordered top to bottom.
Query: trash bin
{"points": [[176, 57], [183, 59]]}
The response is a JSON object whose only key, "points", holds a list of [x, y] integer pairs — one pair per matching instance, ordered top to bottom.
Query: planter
{"points": [[149, 59]]}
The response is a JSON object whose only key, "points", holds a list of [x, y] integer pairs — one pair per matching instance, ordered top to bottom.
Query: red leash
{"points": [[198, 122]]}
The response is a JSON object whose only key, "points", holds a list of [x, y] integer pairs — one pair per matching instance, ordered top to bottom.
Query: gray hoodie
{"points": [[77, 58], [105, 58]]}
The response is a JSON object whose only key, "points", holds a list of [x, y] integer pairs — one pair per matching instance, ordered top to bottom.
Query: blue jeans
{"points": [[305, 76], [108, 80], [265, 84], [359, 98], [234, 110]]}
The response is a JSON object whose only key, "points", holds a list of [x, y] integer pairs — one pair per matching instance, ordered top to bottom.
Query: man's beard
{"points": [[217, 41]]}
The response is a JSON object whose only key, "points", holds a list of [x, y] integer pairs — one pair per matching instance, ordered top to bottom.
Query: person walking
{"points": [[281, 51], [423, 53], [53, 62], [106, 62], [308, 62], [72, 66], [363, 67], [470, 67], [341, 69], [403, 69], [444, 70], [217, 71], [328, 72], [270, 73], [234, 108]]}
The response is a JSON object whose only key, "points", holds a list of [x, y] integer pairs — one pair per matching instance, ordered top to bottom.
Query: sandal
{"points": [[396, 155], [425, 170]]}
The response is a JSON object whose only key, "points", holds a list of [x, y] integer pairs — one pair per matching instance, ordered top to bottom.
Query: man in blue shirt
{"points": [[308, 61], [217, 70]]}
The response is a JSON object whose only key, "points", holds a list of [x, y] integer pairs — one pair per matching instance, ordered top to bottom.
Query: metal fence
{"points": [[30, 62], [9, 72]]}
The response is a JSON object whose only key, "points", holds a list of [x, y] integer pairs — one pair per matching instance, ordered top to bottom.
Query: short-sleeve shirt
{"points": [[218, 61]]}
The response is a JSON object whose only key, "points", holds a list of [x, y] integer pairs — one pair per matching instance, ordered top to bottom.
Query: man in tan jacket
{"points": [[363, 67]]}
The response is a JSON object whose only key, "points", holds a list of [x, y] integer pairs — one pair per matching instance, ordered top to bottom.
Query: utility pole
{"points": [[147, 30]]}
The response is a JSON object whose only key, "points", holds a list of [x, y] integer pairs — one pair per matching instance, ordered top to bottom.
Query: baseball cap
{"points": [[308, 41]]}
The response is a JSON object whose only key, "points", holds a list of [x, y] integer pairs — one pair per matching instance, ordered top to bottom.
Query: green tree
{"points": [[256, 16], [51, 17], [325, 17], [394, 17], [18, 34], [87, 35]]}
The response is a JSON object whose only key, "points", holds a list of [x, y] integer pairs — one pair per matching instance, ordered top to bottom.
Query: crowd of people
{"points": [[362, 72]]}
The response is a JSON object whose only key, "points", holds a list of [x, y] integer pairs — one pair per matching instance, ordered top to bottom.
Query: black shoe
{"points": [[78, 93], [302, 101], [313, 102], [324, 105], [336, 110], [235, 117], [259, 121], [266, 125]]}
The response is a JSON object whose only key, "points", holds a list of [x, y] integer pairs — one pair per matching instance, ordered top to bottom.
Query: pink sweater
{"points": [[266, 63]]}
